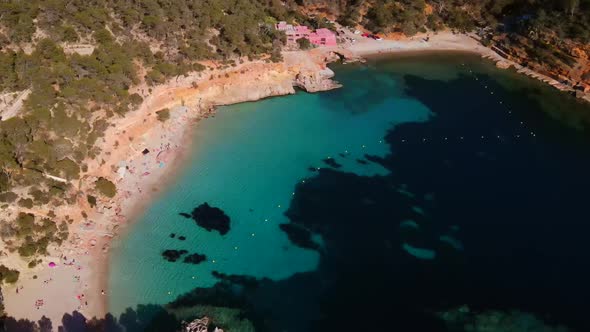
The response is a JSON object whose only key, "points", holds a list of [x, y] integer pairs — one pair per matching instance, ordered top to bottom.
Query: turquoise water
{"points": [[246, 161], [426, 184]]}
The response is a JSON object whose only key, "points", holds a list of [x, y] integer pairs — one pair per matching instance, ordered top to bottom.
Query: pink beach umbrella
{"points": [[52, 264]]}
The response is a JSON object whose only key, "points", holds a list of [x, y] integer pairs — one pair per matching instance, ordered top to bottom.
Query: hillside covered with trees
{"points": [[549, 36]]}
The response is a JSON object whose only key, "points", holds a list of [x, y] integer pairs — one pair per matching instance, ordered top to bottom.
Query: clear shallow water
{"points": [[247, 161], [469, 192]]}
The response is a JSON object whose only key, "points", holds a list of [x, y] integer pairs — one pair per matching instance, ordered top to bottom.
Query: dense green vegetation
{"points": [[567, 18], [541, 34], [73, 96], [163, 114], [105, 187], [30, 235], [8, 276]]}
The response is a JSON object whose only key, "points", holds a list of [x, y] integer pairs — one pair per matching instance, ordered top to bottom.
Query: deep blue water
{"points": [[442, 182]]}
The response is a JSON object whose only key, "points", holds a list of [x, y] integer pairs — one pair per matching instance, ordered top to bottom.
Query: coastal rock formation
{"points": [[316, 80], [210, 218]]}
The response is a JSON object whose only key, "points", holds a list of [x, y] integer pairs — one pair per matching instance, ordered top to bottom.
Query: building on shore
{"points": [[320, 37]]}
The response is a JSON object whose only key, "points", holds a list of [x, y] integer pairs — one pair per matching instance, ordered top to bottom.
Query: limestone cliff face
{"points": [[258, 80], [316, 80]]}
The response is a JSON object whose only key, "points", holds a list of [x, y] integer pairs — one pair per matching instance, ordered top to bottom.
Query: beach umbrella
{"points": [[52, 264]]}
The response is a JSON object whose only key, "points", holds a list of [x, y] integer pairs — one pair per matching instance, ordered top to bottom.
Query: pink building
{"points": [[321, 37]]}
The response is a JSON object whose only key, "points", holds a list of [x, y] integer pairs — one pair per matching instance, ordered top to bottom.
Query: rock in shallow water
{"points": [[210, 218], [172, 255], [195, 258]]}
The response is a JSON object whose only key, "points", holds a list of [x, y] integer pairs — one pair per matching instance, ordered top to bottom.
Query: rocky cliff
{"points": [[316, 80]]}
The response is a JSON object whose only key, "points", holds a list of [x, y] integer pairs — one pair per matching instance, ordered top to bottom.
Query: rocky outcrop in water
{"points": [[316, 80], [210, 218], [172, 255], [195, 258]]}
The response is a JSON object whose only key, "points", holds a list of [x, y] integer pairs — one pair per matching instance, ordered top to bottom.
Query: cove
{"points": [[489, 167]]}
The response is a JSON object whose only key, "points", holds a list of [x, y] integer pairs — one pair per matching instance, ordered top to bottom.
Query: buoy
{"points": [[403, 141], [279, 205], [265, 219], [253, 234], [236, 248], [213, 261]]}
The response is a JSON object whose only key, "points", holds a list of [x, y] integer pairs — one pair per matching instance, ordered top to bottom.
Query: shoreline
{"points": [[446, 41], [189, 99]]}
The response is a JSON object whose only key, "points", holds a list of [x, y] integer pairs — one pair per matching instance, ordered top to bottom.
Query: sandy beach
{"points": [[140, 154]]}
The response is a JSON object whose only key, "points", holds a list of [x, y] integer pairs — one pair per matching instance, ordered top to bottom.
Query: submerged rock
{"points": [[331, 162], [210, 218], [409, 224], [299, 236], [182, 238], [456, 244], [421, 253], [172, 255], [195, 258], [463, 319]]}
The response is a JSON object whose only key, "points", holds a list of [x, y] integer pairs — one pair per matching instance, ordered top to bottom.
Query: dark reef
{"points": [[331, 162], [210, 218], [299, 236], [173, 255], [195, 258]]}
